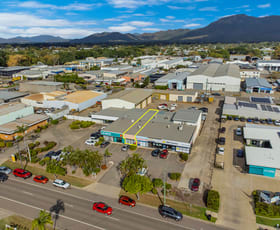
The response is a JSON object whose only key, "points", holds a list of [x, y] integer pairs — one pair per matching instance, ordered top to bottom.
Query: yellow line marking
{"points": [[135, 122]]}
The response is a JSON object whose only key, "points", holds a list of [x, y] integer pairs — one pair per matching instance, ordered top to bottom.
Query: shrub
{"points": [[163, 87], [64, 118], [54, 122], [86, 124], [45, 126], [73, 126], [38, 130], [19, 138], [37, 143], [2, 144], [9, 144], [31, 145], [132, 147], [184, 156], [34, 159], [42, 162], [54, 167], [96, 170], [74, 171], [174, 176], [157, 182], [168, 186], [154, 190], [213, 200]]}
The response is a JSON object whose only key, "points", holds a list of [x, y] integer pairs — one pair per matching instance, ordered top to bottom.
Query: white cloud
{"points": [[132, 4], [264, 5], [74, 6], [181, 7], [210, 8], [170, 17], [112, 19], [171, 20], [140, 23], [192, 25], [122, 28], [151, 29]]}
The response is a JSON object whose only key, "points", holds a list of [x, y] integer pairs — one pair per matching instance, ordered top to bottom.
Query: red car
{"points": [[164, 104], [163, 154], [22, 173], [41, 179], [195, 184], [127, 201], [103, 208]]}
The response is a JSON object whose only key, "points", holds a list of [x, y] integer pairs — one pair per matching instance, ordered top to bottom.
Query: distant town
{"points": [[142, 134]]}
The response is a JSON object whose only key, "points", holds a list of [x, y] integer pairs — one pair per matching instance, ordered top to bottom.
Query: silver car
{"points": [[4, 169]]}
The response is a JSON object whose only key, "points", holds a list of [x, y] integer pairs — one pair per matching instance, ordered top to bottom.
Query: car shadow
{"points": [[56, 210]]}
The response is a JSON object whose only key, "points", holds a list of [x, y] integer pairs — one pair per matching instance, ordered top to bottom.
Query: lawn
{"points": [[76, 181], [184, 208], [267, 221]]}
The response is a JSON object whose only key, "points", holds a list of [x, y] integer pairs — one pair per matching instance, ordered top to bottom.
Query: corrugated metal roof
{"points": [[178, 76], [257, 82], [187, 115]]}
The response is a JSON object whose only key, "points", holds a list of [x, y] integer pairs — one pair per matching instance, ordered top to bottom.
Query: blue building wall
{"points": [[178, 82], [264, 171]]}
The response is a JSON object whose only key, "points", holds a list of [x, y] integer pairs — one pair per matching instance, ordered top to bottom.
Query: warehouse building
{"points": [[272, 65], [9, 71], [215, 77], [173, 80], [258, 85], [40, 86], [9, 96], [176, 96], [128, 99], [78, 101], [150, 128], [262, 150]]}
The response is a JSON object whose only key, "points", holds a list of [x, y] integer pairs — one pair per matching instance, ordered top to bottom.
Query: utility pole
{"points": [[164, 188]]}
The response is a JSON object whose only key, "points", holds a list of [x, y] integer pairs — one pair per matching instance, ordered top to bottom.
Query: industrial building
{"points": [[272, 65], [9, 71], [215, 77], [175, 80], [258, 85], [40, 86], [9, 96], [176, 96], [128, 99], [79, 100], [257, 107], [15, 115], [151, 128], [262, 149]]}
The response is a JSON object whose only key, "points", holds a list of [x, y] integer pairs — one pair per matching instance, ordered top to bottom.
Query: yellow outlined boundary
{"points": [[155, 110]]}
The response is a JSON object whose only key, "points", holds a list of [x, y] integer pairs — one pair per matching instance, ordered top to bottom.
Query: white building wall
{"points": [[117, 103]]}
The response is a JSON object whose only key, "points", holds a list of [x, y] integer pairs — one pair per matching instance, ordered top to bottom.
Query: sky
{"points": [[77, 18]]}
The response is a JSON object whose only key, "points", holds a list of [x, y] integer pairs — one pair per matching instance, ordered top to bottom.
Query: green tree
{"points": [[22, 129], [107, 154], [132, 164], [137, 184], [213, 200], [42, 220]]}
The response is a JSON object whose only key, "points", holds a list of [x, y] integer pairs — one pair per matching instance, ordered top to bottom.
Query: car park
{"points": [[238, 131], [222, 141], [90, 142], [104, 144], [125, 148], [221, 150], [155, 152], [240, 153], [163, 154], [6, 170], [22, 173], [3, 177], [41, 179], [195, 183], [61, 184], [125, 200], [102, 208], [166, 211]]}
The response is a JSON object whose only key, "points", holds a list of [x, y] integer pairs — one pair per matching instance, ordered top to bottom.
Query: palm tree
{"points": [[41, 221]]}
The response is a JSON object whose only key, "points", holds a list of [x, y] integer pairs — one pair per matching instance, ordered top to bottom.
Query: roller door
{"points": [[198, 86]]}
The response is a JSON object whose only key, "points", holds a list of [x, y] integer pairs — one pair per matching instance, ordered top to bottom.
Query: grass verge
{"points": [[76, 181], [184, 208], [267, 221]]}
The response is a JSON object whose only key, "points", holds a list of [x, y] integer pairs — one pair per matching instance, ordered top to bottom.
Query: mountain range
{"points": [[230, 29]]}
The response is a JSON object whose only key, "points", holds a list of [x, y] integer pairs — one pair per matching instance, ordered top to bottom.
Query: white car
{"points": [[174, 105], [162, 107], [172, 109], [277, 122], [238, 132], [91, 141], [221, 150], [5, 170], [142, 172], [61, 184]]}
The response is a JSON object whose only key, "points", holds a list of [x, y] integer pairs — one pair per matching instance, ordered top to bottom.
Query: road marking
{"points": [[27, 193], [78, 197], [69, 205], [66, 217], [113, 218]]}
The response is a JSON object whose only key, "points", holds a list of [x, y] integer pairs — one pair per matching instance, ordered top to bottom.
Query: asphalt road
{"points": [[26, 197]]}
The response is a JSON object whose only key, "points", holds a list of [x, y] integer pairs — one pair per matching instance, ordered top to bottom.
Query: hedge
{"points": [[163, 87], [54, 122], [81, 124], [2, 144], [9, 144], [132, 147], [184, 156], [54, 167], [174, 176], [157, 182], [213, 200]]}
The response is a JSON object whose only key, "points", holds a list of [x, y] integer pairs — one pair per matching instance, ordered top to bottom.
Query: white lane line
{"points": [[27, 193], [69, 205], [130, 212], [66, 217], [113, 218]]}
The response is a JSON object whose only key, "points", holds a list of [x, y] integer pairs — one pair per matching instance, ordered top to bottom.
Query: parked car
{"points": [[215, 94], [174, 105], [162, 107], [193, 107], [172, 109], [203, 109], [229, 118], [236, 118], [242, 119], [249, 120], [256, 120], [262, 121], [269, 121], [277, 122], [223, 130], [238, 131], [95, 135], [222, 141], [90, 142], [104, 144], [125, 148], [221, 150], [155, 152], [240, 153], [49, 154], [163, 154], [57, 155], [4, 169], [142, 172], [22, 173], [3, 177], [41, 179], [195, 183], [61, 184], [127, 201], [102, 208], [166, 211]]}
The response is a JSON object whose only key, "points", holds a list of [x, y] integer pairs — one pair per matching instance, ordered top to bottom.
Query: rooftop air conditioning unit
{"points": [[180, 128]]}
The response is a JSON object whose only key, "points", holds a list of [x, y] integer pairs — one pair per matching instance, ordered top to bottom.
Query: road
{"points": [[26, 198]]}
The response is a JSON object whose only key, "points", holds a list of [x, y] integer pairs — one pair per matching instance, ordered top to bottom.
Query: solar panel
{"points": [[261, 100], [248, 105], [263, 107], [269, 108], [276, 110]]}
